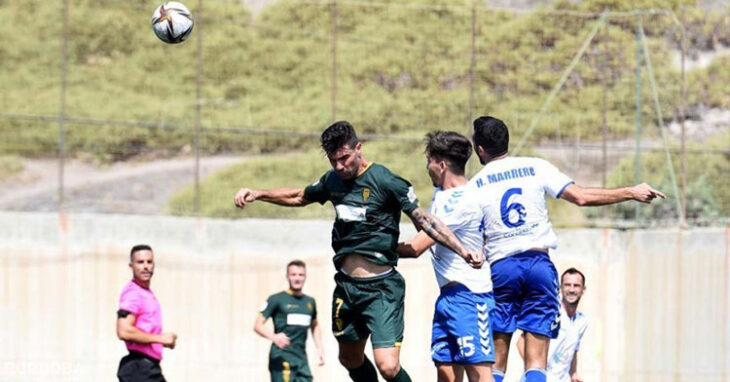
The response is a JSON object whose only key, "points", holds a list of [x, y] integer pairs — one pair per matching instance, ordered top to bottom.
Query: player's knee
{"points": [[351, 361], [388, 367], [478, 372]]}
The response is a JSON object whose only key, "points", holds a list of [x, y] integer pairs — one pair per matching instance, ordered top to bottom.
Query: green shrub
{"points": [[707, 187]]}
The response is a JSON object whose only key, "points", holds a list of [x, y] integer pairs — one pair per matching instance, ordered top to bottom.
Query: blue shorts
{"points": [[526, 292], [462, 327]]}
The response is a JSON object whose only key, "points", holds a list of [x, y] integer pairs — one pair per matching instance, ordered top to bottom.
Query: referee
{"points": [[139, 322]]}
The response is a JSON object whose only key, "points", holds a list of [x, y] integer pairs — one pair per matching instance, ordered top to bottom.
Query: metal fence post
{"points": [[333, 13], [472, 64], [198, 91], [62, 108], [604, 109], [682, 116], [637, 119]]}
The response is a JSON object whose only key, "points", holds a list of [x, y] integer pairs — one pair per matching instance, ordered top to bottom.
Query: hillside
{"points": [[402, 68]]}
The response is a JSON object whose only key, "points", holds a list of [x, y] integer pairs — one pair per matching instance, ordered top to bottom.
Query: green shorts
{"points": [[369, 306], [289, 371]]}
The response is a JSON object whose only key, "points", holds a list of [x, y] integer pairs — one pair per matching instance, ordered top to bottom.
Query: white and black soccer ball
{"points": [[172, 22]]}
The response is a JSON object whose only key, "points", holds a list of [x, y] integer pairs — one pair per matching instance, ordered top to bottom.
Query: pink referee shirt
{"points": [[142, 303]]}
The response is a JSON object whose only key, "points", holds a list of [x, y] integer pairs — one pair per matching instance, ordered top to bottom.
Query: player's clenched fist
{"points": [[243, 196], [475, 259], [169, 340], [281, 340]]}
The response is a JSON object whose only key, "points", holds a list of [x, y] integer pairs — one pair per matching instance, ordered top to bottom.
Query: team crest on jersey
{"points": [[365, 194], [309, 305]]}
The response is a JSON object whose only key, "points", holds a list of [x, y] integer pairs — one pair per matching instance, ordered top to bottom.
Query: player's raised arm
{"points": [[581, 196], [289, 197], [439, 232]]}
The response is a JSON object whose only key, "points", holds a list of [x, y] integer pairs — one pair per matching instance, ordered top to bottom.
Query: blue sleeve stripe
{"points": [[563, 189]]}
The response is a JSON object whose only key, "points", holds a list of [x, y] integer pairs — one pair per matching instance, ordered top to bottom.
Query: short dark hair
{"points": [[337, 135], [492, 135], [451, 147], [137, 248], [295, 263], [573, 271]]}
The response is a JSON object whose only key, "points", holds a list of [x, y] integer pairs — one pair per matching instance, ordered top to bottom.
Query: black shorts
{"points": [[137, 367]]}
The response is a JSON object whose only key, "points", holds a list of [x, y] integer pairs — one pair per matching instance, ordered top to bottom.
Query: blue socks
{"points": [[498, 375], [532, 375], [535, 375]]}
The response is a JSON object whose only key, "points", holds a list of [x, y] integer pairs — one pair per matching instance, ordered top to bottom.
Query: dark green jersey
{"points": [[368, 212], [292, 315]]}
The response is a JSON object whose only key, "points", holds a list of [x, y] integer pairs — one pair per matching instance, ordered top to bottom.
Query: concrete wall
{"points": [[657, 299]]}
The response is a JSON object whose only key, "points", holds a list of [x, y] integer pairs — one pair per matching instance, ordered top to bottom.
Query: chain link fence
{"points": [[612, 97]]}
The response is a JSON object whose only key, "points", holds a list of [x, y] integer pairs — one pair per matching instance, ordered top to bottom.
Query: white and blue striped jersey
{"points": [[512, 195], [460, 210], [562, 349]]}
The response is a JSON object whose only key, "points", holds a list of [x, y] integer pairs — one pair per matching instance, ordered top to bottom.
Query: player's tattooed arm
{"points": [[290, 197], [438, 231]]}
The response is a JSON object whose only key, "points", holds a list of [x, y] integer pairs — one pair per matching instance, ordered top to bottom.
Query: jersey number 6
{"points": [[506, 209]]}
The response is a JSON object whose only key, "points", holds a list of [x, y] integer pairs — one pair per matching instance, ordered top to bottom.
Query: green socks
{"points": [[364, 373], [402, 376]]}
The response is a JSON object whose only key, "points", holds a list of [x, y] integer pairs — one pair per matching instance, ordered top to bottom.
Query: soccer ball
{"points": [[172, 22]]}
